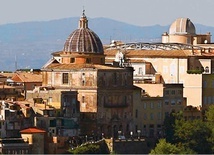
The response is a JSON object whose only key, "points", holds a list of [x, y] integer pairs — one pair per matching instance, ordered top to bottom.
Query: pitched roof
{"points": [[151, 53], [110, 60], [79, 66], [8, 75], [26, 77], [32, 130]]}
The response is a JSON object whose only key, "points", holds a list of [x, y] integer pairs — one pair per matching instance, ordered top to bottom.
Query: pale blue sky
{"points": [[136, 12]]}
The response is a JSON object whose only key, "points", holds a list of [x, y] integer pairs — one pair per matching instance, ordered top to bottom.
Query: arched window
{"points": [[206, 69]]}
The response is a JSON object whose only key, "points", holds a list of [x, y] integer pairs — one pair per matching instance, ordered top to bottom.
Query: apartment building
{"points": [[150, 113]]}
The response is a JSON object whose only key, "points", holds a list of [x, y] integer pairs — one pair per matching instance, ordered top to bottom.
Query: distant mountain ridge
{"points": [[61, 28], [30, 44]]}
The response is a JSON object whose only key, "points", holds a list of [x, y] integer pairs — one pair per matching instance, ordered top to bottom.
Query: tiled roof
{"points": [[151, 53], [130, 60], [79, 66], [7, 74], [2, 76], [26, 77], [32, 130]]}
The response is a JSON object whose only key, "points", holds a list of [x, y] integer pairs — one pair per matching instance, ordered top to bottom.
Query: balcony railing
{"points": [[144, 77], [118, 105]]}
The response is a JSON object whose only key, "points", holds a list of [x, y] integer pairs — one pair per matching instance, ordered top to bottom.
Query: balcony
{"points": [[144, 78], [117, 105]]}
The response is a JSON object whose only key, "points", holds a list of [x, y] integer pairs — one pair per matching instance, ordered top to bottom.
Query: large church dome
{"points": [[182, 26], [83, 40]]}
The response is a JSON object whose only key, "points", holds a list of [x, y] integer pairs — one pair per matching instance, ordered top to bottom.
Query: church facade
{"points": [[104, 92]]}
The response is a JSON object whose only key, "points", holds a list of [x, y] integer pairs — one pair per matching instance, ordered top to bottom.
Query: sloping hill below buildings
{"points": [[30, 44]]}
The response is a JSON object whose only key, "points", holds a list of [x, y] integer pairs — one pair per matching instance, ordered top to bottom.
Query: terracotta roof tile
{"points": [[152, 53], [131, 60], [79, 66], [7, 74], [26, 77], [32, 130]]}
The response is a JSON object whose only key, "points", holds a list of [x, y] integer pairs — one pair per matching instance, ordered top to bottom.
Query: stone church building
{"points": [[104, 92]]}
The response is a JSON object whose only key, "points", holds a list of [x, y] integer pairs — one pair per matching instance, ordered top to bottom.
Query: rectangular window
{"points": [[72, 60], [88, 60], [140, 71], [65, 78], [83, 82], [204, 84], [166, 92], [173, 92], [180, 92], [50, 99], [83, 99], [73, 100], [166, 102], [172, 102], [159, 104], [144, 105], [151, 105], [74, 110], [136, 113], [145, 116], [151, 116]]}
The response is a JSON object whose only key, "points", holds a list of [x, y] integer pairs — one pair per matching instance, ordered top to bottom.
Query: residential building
{"points": [[26, 80], [9, 93], [150, 112], [192, 113], [13, 118], [35, 138], [14, 146]]}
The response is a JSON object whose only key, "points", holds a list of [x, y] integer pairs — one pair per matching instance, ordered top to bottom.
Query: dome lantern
{"points": [[83, 22], [83, 40]]}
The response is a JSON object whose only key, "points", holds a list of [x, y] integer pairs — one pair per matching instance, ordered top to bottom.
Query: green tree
{"points": [[209, 118], [169, 124], [194, 135], [163, 147], [94, 148]]}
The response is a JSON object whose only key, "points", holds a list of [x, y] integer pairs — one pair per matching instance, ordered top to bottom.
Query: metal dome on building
{"points": [[182, 26], [83, 40]]}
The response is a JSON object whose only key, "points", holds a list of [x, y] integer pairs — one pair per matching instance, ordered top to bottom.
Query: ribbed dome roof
{"points": [[182, 26], [83, 39]]}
